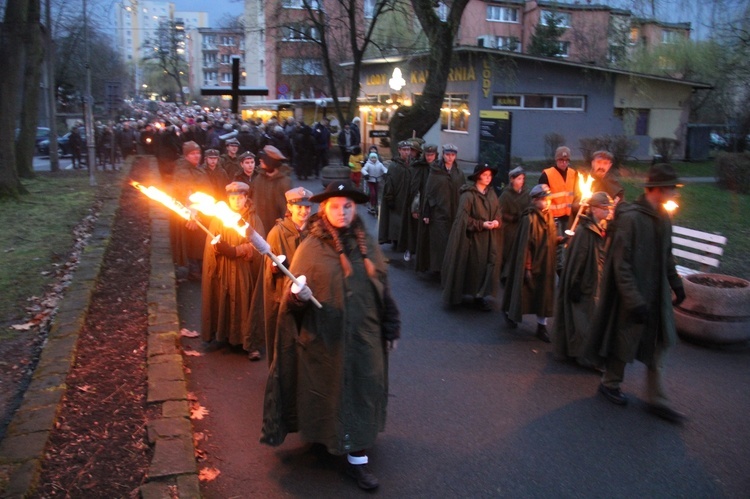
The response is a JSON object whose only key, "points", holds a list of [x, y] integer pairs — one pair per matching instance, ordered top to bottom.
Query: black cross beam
{"points": [[236, 91]]}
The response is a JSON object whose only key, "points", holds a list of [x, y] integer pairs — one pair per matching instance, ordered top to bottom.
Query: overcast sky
{"points": [[215, 8]]}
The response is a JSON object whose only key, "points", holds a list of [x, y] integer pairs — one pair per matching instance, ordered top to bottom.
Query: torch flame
{"points": [[584, 185], [164, 199], [207, 205], [670, 206]]}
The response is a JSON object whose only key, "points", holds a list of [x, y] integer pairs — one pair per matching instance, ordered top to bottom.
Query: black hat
{"points": [[479, 169], [662, 175], [342, 188]]}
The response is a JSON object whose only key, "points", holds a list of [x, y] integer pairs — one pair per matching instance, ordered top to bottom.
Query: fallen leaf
{"points": [[23, 327], [188, 333], [193, 353], [86, 389], [199, 412], [208, 474]]}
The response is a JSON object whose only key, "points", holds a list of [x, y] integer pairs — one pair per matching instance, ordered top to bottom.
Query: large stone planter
{"points": [[716, 310]]}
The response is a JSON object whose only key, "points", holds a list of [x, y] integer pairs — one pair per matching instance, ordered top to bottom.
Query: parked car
{"points": [[42, 133], [718, 142], [63, 145]]}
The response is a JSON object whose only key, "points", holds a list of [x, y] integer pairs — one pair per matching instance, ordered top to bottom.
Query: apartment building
{"points": [[137, 22], [593, 33], [212, 52]]}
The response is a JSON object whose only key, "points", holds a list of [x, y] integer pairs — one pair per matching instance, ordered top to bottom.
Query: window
{"points": [[301, 4], [369, 8], [442, 11], [502, 14], [563, 18], [299, 33], [635, 33], [668, 36], [209, 41], [227, 41], [510, 43], [564, 49], [226, 58], [209, 59], [293, 66], [209, 77], [226, 77], [539, 101], [454, 115]]}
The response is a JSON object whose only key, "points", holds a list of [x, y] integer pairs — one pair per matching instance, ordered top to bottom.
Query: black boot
{"points": [[541, 333], [364, 477]]}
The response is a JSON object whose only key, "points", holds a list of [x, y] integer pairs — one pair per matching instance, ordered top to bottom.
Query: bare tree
{"points": [[336, 29], [167, 52], [419, 118]]}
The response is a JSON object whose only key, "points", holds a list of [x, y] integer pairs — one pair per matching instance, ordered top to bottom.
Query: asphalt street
{"points": [[477, 410]]}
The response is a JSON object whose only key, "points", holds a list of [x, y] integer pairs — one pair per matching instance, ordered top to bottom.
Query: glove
{"points": [[225, 249], [282, 259], [527, 279], [303, 292], [575, 293], [679, 296], [639, 314], [391, 345]]}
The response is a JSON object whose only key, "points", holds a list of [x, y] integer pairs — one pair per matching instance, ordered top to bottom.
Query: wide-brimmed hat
{"points": [[479, 169], [662, 175], [341, 188], [299, 196]]}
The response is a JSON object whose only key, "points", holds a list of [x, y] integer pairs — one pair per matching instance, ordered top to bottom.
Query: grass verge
{"points": [[36, 234]]}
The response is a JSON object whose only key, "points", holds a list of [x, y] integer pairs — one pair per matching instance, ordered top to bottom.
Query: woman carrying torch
{"points": [[329, 376]]}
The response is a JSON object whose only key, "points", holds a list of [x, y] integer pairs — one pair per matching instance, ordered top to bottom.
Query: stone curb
{"points": [[22, 449], [173, 470]]}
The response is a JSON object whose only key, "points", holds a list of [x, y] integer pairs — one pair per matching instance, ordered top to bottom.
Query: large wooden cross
{"points": [[236, 91]]}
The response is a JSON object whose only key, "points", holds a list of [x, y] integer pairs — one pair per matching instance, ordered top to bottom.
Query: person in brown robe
{"points": [[272, 182], [186, 236], [283, 238], [232, 275]]}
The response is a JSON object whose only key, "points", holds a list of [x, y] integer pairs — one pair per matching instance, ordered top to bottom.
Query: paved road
{"points": [[480, 411]]}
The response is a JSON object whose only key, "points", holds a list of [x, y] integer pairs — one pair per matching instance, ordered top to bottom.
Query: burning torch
{"points": [[584, 184], [170, 202], [231, 219]]}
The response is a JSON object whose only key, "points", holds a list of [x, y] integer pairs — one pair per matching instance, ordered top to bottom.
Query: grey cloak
{"points": [[395, 188], [440, 205], [512, 206], [537, 241], [584, 262], [471, 266], [639, 270]]}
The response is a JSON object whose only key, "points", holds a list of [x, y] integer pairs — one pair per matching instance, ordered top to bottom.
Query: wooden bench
{"points": [[695, 247]]}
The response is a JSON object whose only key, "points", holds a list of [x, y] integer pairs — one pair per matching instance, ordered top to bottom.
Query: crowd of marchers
{"points": [[323, 314]]}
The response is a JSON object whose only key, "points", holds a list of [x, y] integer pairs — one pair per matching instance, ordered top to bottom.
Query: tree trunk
{"points": [[12, 55], [31, 93], [419, 118]]}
